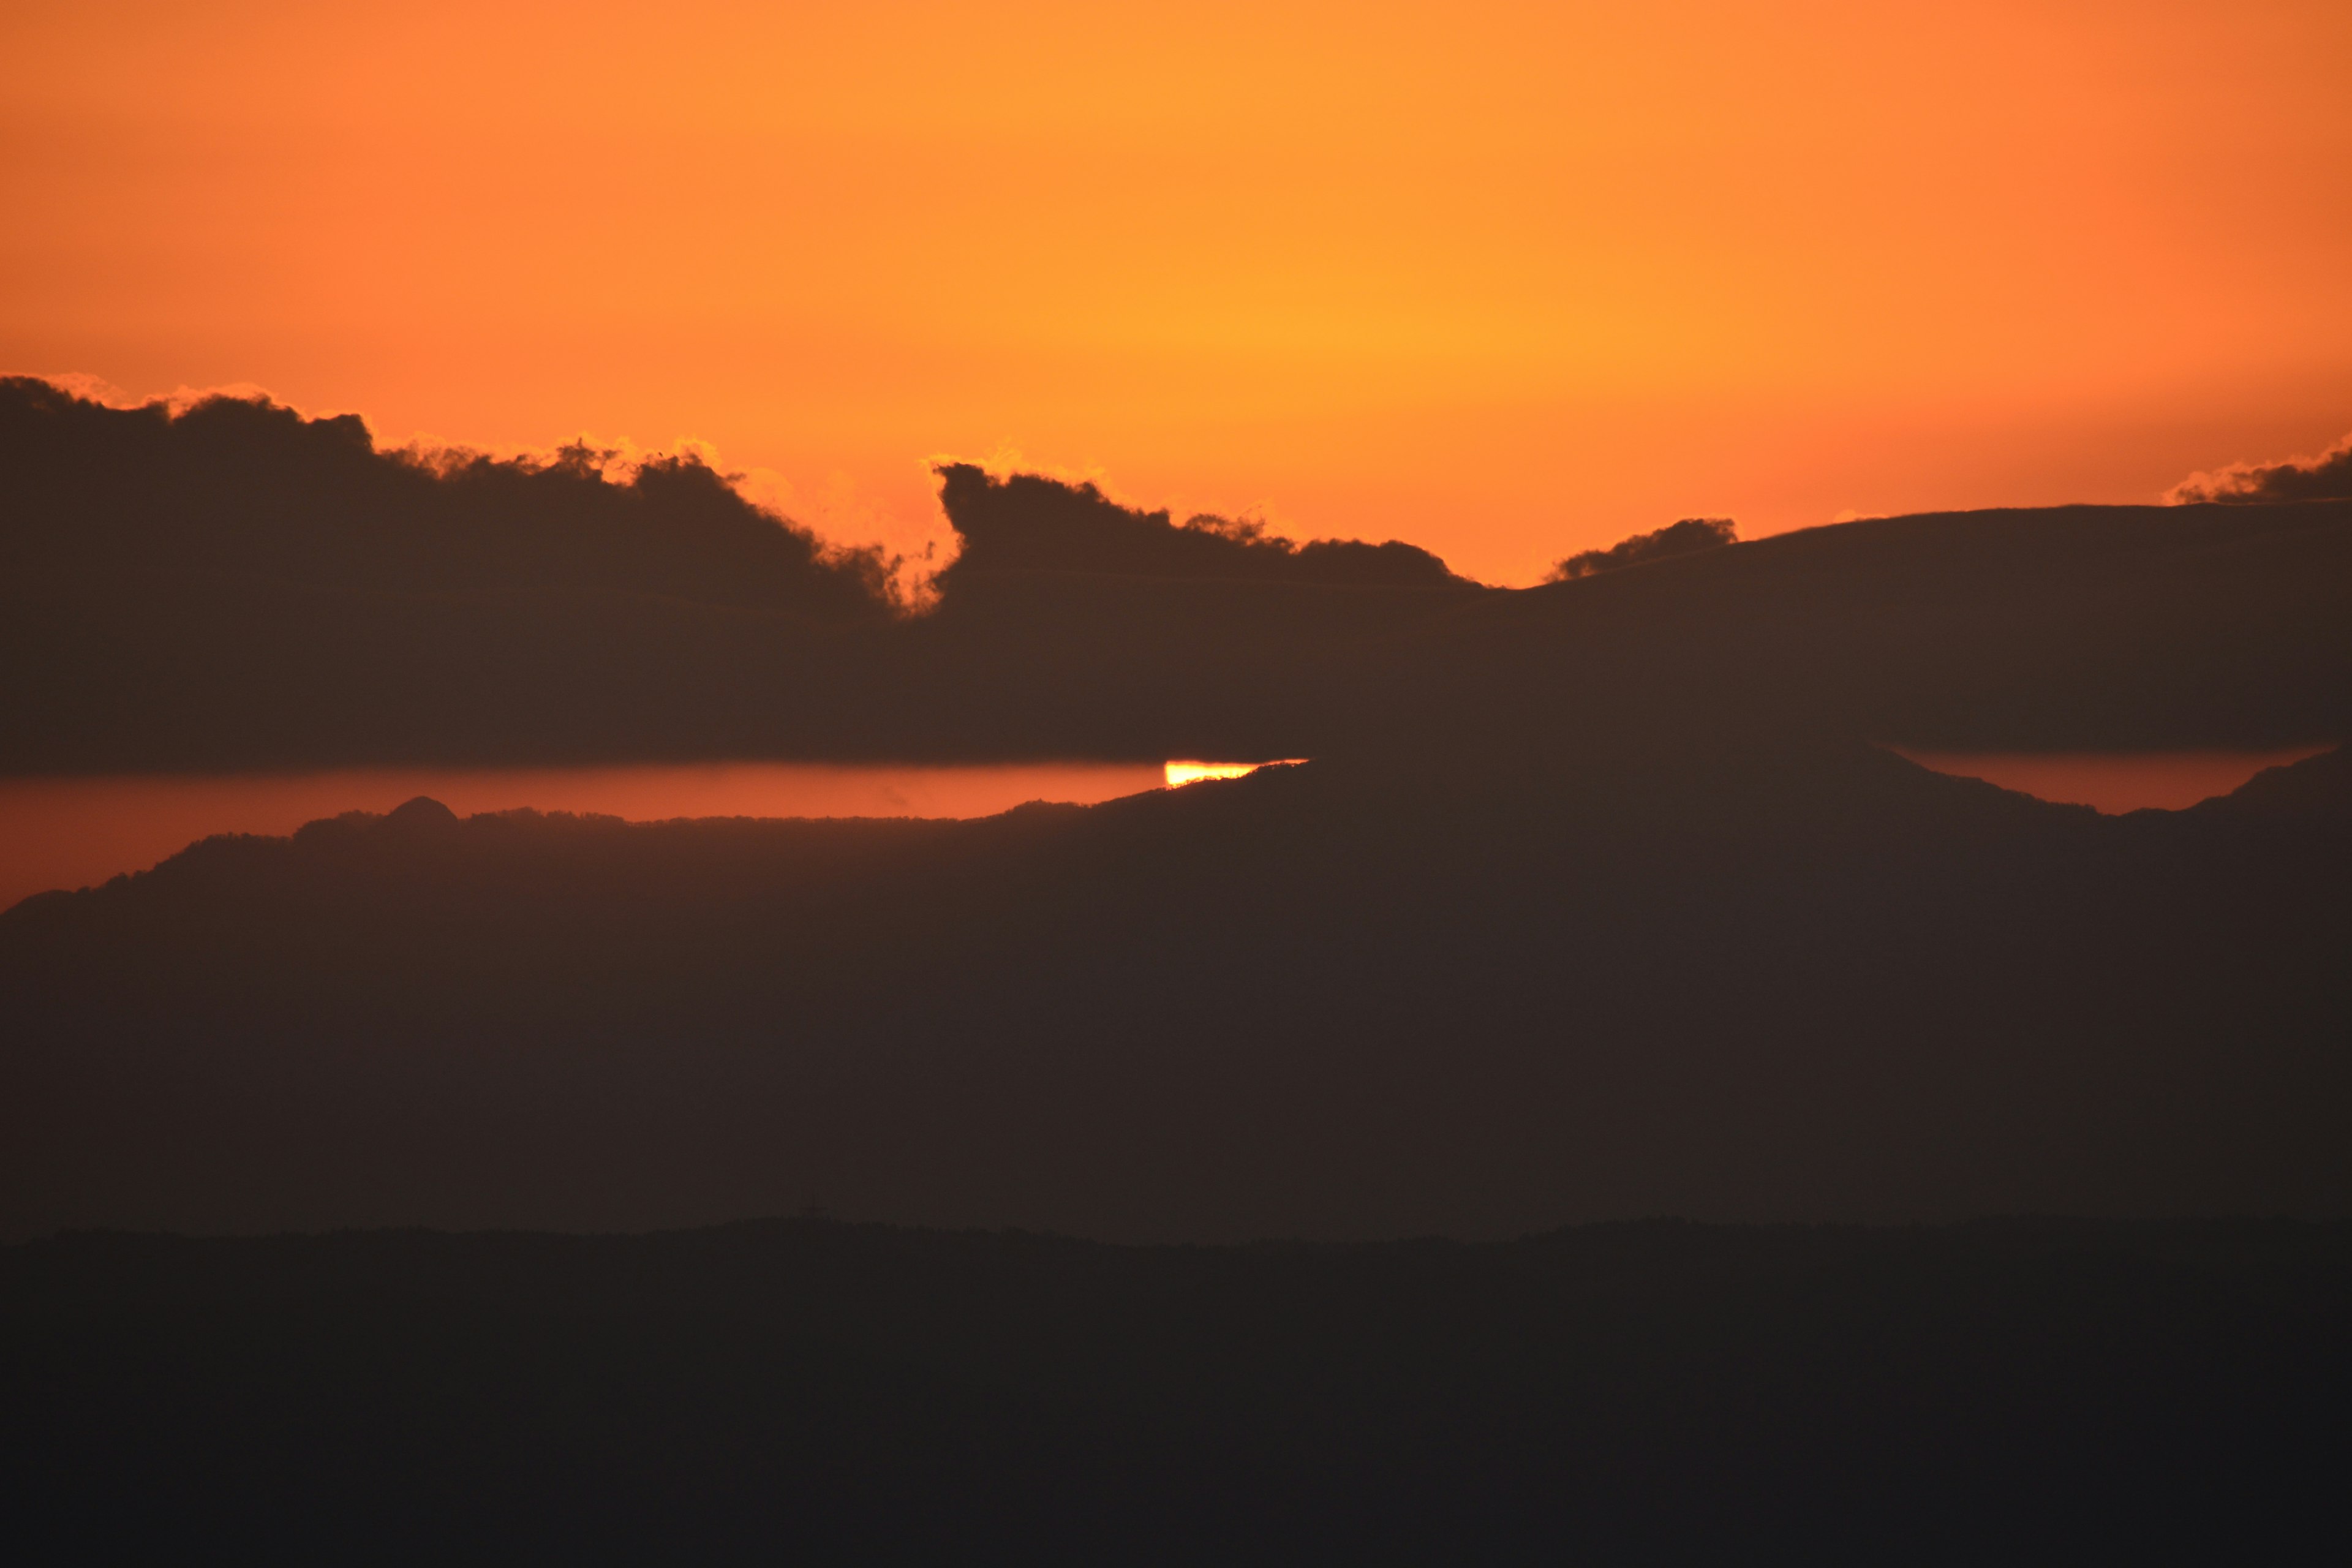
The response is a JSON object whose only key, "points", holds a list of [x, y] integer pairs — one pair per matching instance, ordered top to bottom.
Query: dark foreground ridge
{"points": [[812, 1391]]}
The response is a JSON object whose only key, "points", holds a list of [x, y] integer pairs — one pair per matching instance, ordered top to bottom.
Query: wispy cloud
{"points": [[2327, 477]]}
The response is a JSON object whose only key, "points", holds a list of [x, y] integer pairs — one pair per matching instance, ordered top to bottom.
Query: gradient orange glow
{"points": [[1507, 280], [74, 833]]}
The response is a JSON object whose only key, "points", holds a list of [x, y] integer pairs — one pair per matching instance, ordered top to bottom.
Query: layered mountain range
{"points": [[1595, 900]]}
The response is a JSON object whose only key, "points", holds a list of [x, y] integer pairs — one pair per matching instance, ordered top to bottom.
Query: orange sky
{"points": [[1506, 280]]}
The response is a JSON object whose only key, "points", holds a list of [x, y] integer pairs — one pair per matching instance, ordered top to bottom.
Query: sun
{"points": [[1194, 773]]}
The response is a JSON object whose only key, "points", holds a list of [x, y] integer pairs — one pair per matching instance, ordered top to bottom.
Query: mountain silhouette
{"points": [[236, 588], [1597, 903], [1730, 981]]}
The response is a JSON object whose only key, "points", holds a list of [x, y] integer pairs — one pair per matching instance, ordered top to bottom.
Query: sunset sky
{"points": [[1504, 280]]}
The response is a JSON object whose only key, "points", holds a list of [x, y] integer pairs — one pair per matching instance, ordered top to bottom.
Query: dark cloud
{"points": [[2327, 477], [1026, 522], [1690, 535]]}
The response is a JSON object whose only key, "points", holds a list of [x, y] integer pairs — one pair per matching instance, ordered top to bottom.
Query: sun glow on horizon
{"points": [[1181, 774]]}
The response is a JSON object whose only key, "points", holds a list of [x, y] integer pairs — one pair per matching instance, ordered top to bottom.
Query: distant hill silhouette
{"points": [[242, 488], [238, 588], [2089, 628], [1719, 977]]}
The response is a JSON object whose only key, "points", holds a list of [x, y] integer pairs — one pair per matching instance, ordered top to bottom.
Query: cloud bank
{"points": [[2327, 477]]}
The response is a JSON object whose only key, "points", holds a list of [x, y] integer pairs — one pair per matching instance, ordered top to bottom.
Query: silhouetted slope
{"points": [[238, 588], [2067, 628], [1811, 981], [819, 1392]]}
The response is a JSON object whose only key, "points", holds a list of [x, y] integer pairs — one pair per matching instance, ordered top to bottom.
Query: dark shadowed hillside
{"points": [[1710, 980]]}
